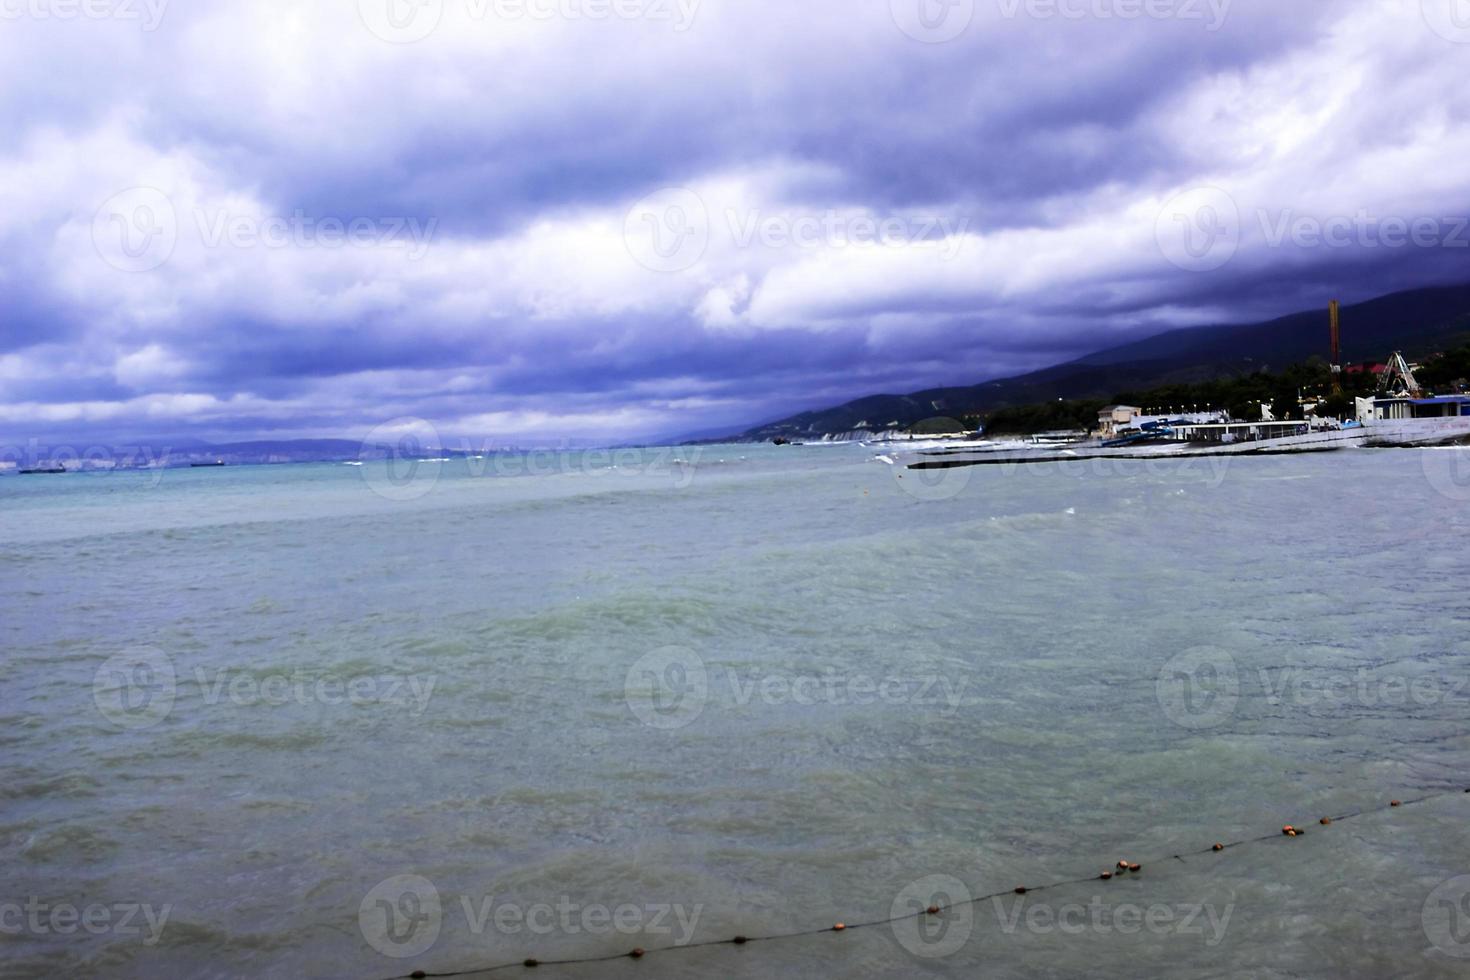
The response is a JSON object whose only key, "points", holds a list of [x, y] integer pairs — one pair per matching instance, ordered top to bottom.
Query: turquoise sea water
{"points": [[342, 722]]}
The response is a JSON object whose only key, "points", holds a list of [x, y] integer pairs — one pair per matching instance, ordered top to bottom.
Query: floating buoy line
{"points": [[1124, 868]]}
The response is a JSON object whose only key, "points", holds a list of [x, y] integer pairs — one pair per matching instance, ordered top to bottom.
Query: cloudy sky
{"points": [[537, 220]]}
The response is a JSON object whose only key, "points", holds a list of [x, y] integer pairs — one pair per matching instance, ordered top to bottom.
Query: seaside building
{"points": [[1398, 407], [1116, 417]]}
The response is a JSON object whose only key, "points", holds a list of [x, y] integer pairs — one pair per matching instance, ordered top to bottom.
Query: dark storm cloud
{"points": [[496, 170]]}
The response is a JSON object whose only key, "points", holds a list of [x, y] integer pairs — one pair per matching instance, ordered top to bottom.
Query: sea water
{"points": [[324, 720]]}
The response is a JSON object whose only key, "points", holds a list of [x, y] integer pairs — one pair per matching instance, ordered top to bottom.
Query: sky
{"points": [[539, 222]]}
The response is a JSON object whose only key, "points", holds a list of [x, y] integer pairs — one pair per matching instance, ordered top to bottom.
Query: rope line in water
{"points": [[1123, 868]]}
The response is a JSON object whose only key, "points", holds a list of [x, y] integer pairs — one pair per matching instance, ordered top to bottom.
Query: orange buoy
{"points": [[1397, 803], [1325, 821], [1288, 830], [1219, 847], [1122, 865], [1135, 867], [1106, 875], [1021, 890], [933, 910], [839, 927], [637, 954]]}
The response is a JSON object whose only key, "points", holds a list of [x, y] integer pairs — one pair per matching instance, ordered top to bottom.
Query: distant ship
{"points": [[201, 466], [42, 470]]}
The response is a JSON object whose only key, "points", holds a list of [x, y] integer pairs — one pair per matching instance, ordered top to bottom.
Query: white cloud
{"points": [[510, 153]]}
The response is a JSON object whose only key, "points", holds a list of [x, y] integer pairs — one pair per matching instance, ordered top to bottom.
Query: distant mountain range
{"points": [[1417, 322], [270, 451], [189, 452], [174, 453]]}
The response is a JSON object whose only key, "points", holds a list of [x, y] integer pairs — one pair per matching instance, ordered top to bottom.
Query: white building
{"points": [[1116, 417]]}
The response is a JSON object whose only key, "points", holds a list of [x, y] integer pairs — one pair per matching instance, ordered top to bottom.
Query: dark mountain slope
{"points": [[1417, 322]]}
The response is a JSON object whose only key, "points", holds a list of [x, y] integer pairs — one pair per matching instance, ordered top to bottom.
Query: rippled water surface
{"points": [[737, 690]]}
